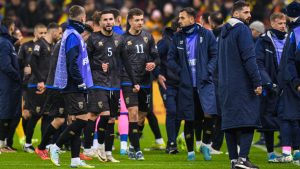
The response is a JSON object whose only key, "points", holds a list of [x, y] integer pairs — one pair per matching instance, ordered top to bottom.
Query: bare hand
{"points": [[150, 66], [105, 67], [27, 70], [161, 81], [136, 88], [298, 88], [258, 90]]}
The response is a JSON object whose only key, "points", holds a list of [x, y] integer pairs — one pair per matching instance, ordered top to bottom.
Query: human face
{"points": [[244, 14], [185, 19], [107, 21], [137, 22], [279, 24], [11, 29], [40, 32], [56, 34]]}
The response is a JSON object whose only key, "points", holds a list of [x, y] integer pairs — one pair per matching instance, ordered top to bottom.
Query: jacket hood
{"points": [[231, 24], [168, 32]]}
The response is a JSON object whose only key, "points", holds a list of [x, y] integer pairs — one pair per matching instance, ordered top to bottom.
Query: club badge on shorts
{"points": [[100, 104], [80, 105], [38, 109], [61, 110]]}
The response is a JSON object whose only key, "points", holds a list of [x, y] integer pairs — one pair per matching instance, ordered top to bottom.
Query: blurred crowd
{"points": [[158, 13]]}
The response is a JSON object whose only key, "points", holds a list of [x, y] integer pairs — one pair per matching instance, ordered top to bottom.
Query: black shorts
{"points": [[142, 99], [104, 100], [35, 101], [75, 103], [55, 104]]}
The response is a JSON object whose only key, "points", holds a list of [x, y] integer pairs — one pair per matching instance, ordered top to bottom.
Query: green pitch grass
{"points": [[154, 159]]}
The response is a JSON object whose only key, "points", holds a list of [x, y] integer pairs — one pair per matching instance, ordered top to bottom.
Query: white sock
{"points": [[159, 141], [95, 143], [198, 143], [28, 145], [124, 145], [101, 146], [130, 146], [56, 147], [87, 149], [108, 153], [190, 153], [244, 159], [75, 160], [233, 160]]}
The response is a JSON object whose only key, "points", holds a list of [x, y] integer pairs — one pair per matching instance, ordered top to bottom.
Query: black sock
{"points": [[46, 120], [153, 123], [24, 125], [30, 127], [12, 128], [101, 128], [208, 128], [140, 129], [69, 133], [89, 134], [134, 135], [189, 135], [109, 136], [46, 137], [246, 138], [269, 138], [231, 140], [75, 146]]}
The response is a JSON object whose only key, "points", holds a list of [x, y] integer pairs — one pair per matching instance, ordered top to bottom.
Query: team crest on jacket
{"points": [[146, 39], [100, 43], [116, 43], [129, 43], [100, 104], [80, 105], [38, 109], [61, 110]]}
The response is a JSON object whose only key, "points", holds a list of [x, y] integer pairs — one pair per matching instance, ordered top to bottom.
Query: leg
{"points": [[231, 140]]}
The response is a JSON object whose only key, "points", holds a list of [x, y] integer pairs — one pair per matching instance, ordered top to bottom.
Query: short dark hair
{"points": [[239, 5], [75, 11], [106, 11], [190, 11], [116, 12], [134, 12], [277, 15], [205, 16], [96, 17], [217, 18], [7, 22], [175, 24], [52, 25], [88, 28]]}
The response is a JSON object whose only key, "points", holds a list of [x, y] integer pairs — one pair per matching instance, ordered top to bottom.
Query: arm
{"points": [[162, 50], [153, 52], [72, 53], [212, 53], [247, 53], [173, 58], [260, 59], [34, 62], [291, 62], [5, 63]]}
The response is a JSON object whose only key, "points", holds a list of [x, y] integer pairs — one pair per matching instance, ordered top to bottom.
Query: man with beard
{"points": [[268, 51], [193, 56], [25, 57], [140, 58], [40, 68], [239, 85], [104, 96]]}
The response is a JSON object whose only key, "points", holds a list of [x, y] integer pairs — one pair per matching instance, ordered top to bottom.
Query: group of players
{"points": [[77, 73]]}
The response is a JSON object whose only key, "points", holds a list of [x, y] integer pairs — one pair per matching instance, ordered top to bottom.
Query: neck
{"points": [[134, 32], [106, 33]]}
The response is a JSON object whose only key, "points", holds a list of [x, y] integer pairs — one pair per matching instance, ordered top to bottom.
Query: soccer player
{"points": [[268, 49], [24, 55], [193, 56], [139, 57], [73, 76], [289, 81], [168, 82], [239, 85], [36, 96], [104, 96]]}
